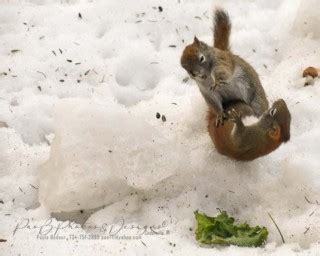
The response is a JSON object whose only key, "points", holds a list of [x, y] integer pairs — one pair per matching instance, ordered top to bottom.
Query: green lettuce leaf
{"points": [[221, 230]]}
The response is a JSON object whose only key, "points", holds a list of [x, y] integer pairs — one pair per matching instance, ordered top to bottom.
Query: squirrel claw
{"points": [[235, 116], [220, 119], [217, 122]]}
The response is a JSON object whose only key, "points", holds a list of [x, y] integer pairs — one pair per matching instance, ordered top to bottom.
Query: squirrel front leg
{"points": [[219, 77], [215, 103]]}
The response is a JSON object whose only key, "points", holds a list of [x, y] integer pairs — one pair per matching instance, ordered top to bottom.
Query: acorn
{"points": [[310, 71], [310, 74]]}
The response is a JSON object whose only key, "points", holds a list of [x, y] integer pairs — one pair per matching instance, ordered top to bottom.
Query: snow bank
{"points": [[81, 98], [100, 153], [18, 165]]}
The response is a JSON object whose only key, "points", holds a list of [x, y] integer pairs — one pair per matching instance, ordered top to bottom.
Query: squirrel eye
{"points": [[202, 59], [273, 112]]}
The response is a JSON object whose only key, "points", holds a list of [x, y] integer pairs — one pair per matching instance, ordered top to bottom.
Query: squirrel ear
{"points": [[196, 40], [275, 133]]}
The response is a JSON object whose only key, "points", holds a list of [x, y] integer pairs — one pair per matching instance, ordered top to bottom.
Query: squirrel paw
{"points": [[235, 116], [221, 118]]}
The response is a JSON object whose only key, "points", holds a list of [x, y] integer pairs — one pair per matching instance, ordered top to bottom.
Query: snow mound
{"points": [[100, 153]]}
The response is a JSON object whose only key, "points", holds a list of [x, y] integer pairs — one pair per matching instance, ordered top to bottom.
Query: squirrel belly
{"points": [[237, 87]]}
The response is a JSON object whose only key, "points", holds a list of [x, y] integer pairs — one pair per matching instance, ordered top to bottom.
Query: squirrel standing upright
{"points": [[222, 76]]}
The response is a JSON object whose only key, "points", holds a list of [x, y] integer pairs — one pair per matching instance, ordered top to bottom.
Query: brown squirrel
{"points": [[222, 76], [245, 143]]}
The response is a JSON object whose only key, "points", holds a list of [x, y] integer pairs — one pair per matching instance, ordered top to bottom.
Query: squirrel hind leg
{"points": [[221, 117], [236, 117]]}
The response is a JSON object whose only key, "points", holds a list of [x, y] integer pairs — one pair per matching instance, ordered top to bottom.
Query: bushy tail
{"points": [[222, 29]]}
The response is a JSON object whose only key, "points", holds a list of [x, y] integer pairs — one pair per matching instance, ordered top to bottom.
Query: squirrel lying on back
{"points": [[221, 75], [235, 139], [245, 143]]}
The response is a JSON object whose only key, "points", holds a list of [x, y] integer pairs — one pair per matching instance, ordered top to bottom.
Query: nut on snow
{"points": [[310, 71], [310, 74]]}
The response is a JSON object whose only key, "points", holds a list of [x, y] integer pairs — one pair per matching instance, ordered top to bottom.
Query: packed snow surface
{"points": [[84, 156]]}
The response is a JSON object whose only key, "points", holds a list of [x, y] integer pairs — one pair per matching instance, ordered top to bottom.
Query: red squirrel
{"points": [[221, 75], [245, 143]]}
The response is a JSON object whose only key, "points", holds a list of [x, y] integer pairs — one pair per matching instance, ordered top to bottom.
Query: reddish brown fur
{"points": [[222, 29], [190, 54], [222, 137], [223, 141]]}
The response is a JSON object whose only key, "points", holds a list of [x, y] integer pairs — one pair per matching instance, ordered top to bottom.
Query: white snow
{"points": [[83, 143]]}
